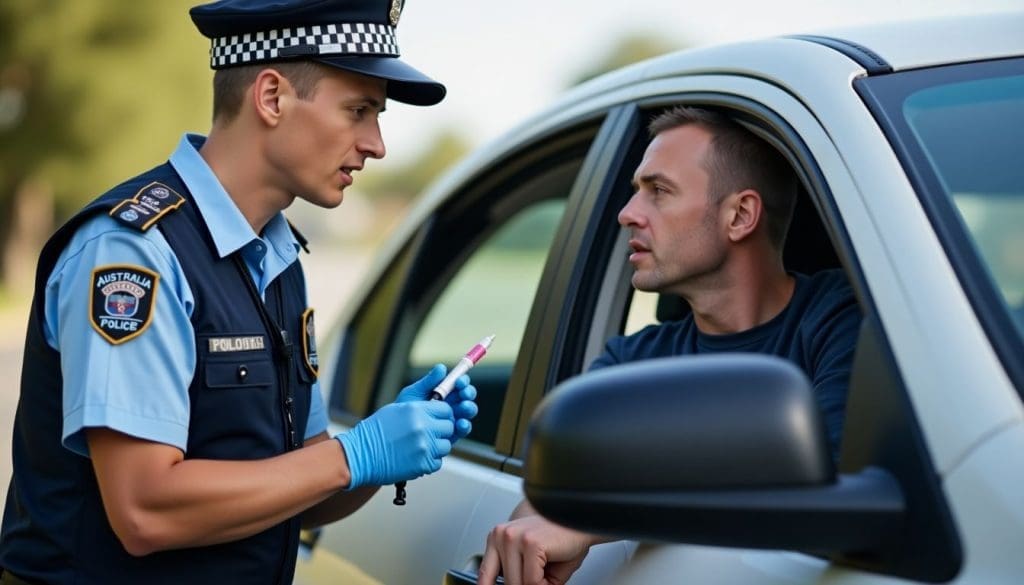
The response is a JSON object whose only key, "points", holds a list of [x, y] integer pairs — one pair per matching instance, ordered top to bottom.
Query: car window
{"points": [[963, 130], [808, 249], [470, 266], [477, 274], [492, 293], [643, 308]]}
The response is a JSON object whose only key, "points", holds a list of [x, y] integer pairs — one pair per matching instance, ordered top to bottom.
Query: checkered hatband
{"points": [[304, 41]]}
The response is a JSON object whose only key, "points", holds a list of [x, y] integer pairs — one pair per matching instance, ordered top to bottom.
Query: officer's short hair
{"points": [[230, 85], [739, 160]]}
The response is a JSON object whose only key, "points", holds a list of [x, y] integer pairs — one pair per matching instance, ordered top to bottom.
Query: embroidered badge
{"points": [[148, 205], [121, 301], [309, 343]]}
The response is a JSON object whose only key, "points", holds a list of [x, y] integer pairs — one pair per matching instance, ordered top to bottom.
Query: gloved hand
{"points": [[461, 398], [401, 441]]}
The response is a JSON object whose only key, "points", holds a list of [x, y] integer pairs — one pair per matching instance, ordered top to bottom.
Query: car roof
{"points": [[924, 43], [784, 61]]}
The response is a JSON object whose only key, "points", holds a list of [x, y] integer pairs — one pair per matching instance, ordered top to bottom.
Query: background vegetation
{"points": [[92, 92]]}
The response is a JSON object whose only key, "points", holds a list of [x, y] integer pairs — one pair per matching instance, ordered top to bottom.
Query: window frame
{"points": [[600, 242], [420, 285], [898, 445]]}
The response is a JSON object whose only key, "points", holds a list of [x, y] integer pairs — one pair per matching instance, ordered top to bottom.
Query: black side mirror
{"points": [[725, 450]]}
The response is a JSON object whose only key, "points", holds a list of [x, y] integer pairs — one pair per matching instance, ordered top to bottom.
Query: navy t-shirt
{"points": [[817, 331]]}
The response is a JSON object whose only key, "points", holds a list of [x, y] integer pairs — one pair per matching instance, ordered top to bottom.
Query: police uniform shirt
{"points": [[140, 388]]}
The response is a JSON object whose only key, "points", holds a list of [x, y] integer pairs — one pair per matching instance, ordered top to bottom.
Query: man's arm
{"points": [[834, 345], [464, 408], [156, 499], [529, 549], [532, 550]]}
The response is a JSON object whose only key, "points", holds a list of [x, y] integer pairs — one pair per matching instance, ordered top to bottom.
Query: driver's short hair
{"points": [[739, 160]]}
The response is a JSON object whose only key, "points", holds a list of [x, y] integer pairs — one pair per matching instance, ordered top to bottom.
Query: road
{"points": [[331, 278], [10, 365]]}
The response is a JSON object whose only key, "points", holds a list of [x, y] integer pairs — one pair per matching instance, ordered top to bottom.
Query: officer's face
{"points": [[321, 141], [675, 240]]}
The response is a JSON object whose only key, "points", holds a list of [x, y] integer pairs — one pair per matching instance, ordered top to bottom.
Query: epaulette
{"points": [[152, 202], [298, 236]]}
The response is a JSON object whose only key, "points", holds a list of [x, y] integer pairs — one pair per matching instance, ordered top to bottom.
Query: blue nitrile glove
{"points": [[461, 398], [399, 442]]}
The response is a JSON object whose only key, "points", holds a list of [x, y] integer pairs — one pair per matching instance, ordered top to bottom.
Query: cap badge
{"points": [[396, 11]]}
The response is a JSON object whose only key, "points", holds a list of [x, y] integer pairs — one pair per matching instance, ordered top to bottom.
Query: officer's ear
{"points": [[268, 90], [744, 211]]}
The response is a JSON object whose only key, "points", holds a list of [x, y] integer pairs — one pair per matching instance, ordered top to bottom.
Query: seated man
{"points": [[708, 219]]}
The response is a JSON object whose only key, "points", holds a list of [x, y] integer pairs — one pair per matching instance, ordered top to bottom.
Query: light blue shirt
{"points": [[140, 387]]}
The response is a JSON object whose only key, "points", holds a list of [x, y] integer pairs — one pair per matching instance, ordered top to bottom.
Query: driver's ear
{"points": [[744, 212]]}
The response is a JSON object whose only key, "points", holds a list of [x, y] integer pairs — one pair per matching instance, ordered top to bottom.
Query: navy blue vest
{"points": [[248, 404]]}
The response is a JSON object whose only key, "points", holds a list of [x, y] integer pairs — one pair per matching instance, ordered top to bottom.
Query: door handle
{"points": [[468, 575], [457, 577]]}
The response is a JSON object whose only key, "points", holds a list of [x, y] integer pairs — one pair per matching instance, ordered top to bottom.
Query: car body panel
{"points": [[985, 493], [504, 494], [380, 527]]}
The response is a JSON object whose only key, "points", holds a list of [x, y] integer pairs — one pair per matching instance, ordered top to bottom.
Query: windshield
{"points": [[960, 130], [972, 134]]}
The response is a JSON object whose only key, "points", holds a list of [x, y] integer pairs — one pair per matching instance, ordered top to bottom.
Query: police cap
{"points": [[355, 35]]}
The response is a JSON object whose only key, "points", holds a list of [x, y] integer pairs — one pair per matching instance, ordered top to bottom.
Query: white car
{"points": [[909, 142]]}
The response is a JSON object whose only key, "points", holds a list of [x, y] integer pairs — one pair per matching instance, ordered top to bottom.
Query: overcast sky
{"points": [[503, 61]]}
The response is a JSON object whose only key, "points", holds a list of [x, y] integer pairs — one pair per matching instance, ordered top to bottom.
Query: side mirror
{"points": [[726, 450]]}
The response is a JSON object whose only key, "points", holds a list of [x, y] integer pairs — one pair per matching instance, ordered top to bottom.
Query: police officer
{"points": [[170, 427]]}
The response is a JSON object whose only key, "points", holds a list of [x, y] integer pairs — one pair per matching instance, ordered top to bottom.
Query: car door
{"points": [[472, 264], [591, 297]]}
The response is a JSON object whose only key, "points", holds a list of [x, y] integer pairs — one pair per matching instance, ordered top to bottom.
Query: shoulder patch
{"points": [[147, 206], [121, 301]]}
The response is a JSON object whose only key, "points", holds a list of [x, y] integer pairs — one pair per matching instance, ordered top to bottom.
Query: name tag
{"points": [[226, 344]]}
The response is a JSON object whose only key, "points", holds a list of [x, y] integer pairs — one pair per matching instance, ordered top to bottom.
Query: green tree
{"points": [[629, 49], [91, 93], [408, 180], [396, 186]]}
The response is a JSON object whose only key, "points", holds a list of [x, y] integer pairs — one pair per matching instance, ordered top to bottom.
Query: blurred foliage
{"points": [[628, 50], [105, 90], [93, 92], [408, 180]]}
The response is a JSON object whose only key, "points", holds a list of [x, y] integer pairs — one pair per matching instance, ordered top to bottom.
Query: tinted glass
{"points": [[957, 131], [971, 134], [493, 292]]}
